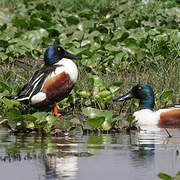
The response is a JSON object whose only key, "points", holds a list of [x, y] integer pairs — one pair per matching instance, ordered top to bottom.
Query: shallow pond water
{"points": [[137, 156]]}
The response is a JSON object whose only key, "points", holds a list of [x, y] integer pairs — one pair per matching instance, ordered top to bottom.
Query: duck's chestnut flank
{"points": [[58, 87], [170, 118]]}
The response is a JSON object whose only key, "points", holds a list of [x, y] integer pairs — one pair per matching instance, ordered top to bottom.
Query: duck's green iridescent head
{"points": [[55, 53], [144, 93]]}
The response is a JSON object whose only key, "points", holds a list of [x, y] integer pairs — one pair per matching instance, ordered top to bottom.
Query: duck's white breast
{"points": [[69, 67], [146, 117]]}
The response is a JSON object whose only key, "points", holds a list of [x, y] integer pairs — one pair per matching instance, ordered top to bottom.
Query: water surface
{"points": [[137, 156]]}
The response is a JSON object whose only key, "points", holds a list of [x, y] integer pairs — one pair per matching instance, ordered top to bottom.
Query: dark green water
{"points": [[138, 156]]}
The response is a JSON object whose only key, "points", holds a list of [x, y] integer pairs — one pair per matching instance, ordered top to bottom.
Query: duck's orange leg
{"points": [[56, 110]]}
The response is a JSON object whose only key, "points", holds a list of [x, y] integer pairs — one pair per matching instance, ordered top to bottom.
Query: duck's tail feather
{"points": [[24, 100]]}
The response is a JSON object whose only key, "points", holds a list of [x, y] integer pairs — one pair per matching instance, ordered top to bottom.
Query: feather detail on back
{"points": [[34, 85]]}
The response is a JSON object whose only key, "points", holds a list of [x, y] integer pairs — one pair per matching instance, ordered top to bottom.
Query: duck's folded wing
{"points": [[34, 85]]}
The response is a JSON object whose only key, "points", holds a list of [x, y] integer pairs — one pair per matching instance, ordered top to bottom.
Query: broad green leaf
{"points": [[86, 13], [4, 18], [72, 20], [20, 22], [88, 24], [130, 24], [103, 29], [154, 32], [94, 34], [78, 35], [35, 36], [120, 36], [4, 43], [85, 43], [131, 43], [94, 46], [111, 48], [3, 56], [118, 58], [91, 62], [97, 81], [117, 83], [4, 86], [114, 89], [84, 94], [104, 94], [10, 103], [92, 113], [13, 114], [41, 116], [29, 117], [51, 121], [96, 122], [131, 122], [5, 124], [30, 125], [42, 125], [106, 125], [164, 176]]}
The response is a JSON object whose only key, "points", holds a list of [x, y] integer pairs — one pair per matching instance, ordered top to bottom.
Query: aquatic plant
{"points": [[121, 43]]}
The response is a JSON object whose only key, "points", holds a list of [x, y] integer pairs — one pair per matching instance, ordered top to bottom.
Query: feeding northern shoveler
{"points": [[53, 82], [166, 117]]}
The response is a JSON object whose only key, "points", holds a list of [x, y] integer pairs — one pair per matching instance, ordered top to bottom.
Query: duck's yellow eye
{"points": [[59, 49], [139, 87]]}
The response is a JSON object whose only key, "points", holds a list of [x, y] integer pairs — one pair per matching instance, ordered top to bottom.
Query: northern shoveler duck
{"points": [[53, 82], [166, 117]]}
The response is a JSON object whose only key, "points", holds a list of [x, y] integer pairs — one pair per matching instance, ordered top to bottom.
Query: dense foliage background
{"points": [[121, 43]]}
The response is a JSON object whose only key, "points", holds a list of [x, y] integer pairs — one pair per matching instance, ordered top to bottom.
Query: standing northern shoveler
{"points": [[53, 82], [167, 117]]}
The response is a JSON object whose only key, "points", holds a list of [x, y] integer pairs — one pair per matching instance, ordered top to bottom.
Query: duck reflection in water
{"points": [[155, 151], [45, 159], [63, 165]]}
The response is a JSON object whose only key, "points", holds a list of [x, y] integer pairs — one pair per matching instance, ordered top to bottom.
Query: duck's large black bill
{"points": [[70, 56], [127, 96]]}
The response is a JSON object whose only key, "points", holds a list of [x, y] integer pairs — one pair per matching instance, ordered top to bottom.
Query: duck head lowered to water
{"points": [[53, 82], [166, 117]]}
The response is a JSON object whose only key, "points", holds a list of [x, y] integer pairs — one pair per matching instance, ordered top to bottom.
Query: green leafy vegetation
{"points": [[121, 43], [164, 176]]}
